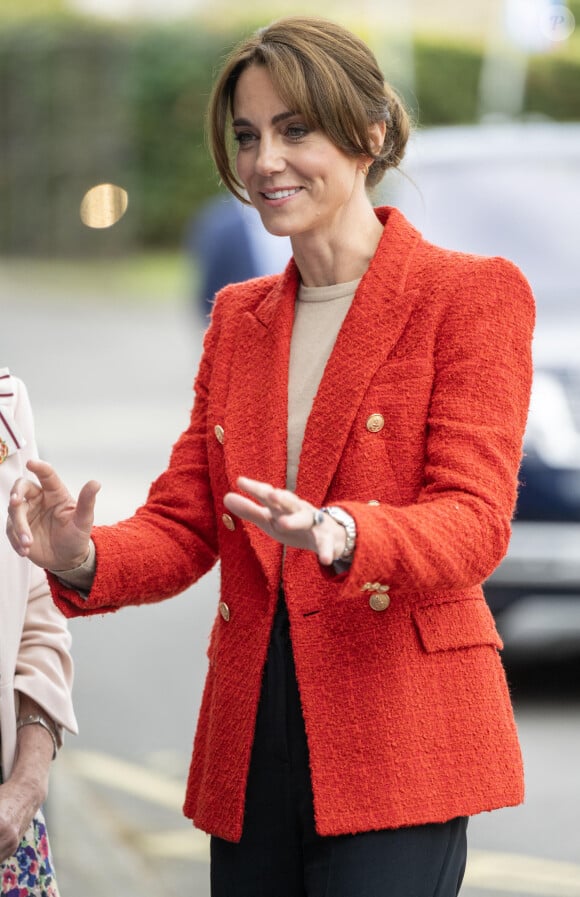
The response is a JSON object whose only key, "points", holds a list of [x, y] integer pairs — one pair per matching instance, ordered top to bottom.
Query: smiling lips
{"points": [[282, 194]]}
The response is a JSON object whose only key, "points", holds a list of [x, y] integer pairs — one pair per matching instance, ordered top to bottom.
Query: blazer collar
{"points": [[375, 321], [256, 414]]}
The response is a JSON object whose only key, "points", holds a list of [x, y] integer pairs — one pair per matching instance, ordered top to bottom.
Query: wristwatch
{"points": [[349, 525]]}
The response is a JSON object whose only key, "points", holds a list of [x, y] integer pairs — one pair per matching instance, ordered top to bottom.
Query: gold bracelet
{"points": [[35, 719]]}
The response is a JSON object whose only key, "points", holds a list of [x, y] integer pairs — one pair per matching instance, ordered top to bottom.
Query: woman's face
{"points": [[297, 179]]}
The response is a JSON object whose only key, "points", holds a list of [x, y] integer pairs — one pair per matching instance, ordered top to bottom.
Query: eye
{"points": [[296, 131], [244, 138]]}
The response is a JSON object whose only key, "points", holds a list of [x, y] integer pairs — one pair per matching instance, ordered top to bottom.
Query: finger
{"points": [[47, 476], [23, 490], [262, 492], [280, 501], [247, 509], [85, 510], [299, 520], [17, 528], [19, 537], [330, 539], [325, 546], [325, 551]]}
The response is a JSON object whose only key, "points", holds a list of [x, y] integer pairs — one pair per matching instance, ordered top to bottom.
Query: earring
{"points": [[365, 170]]}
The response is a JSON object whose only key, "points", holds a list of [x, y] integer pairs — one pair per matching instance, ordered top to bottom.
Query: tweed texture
{"points": [[407, 711]]}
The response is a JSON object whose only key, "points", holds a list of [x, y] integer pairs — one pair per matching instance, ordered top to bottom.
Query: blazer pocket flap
{"points": [[456, 624]]}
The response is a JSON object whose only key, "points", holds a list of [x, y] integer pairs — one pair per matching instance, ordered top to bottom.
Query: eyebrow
{"points": [[245, 122]]}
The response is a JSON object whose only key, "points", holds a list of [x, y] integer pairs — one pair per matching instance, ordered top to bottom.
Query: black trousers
{"points": [[280, 853]]}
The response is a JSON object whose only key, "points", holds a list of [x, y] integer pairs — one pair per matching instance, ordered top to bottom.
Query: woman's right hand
{"points": [[46, 524]]}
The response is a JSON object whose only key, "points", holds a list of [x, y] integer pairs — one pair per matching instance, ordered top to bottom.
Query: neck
{"points": [[340, 256]]}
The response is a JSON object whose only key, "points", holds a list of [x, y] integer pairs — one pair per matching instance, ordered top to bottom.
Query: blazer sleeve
{"points": [[458, 530], [171, 541], [44, 667]]}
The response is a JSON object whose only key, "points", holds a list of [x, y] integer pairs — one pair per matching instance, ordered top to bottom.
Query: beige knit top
{"points": [[318, 317]]}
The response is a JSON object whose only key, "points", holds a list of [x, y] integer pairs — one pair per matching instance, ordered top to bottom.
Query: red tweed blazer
{"points": [[406, 707]]}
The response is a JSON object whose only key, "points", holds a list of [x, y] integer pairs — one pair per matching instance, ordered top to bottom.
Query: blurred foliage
{"points": [[19, 10], [446, 82], [553, 87], [83, 102]]}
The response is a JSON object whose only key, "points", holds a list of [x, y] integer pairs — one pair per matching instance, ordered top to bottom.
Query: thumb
{"points": [[85, 510]]}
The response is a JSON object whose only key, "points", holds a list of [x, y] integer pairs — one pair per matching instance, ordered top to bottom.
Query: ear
{"points": [[377, 133]]}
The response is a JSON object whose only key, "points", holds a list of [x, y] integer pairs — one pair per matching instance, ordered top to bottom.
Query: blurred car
{"points": [[513, 189]]}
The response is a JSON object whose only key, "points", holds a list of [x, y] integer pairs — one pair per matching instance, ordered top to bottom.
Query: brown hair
{"points": [[325, 73]]}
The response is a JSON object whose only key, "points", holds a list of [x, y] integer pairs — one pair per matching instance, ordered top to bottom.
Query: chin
{"points": [[278, 231]]}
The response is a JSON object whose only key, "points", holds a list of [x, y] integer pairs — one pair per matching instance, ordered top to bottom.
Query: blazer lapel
{"points": [[372, 327], [256, 414]]}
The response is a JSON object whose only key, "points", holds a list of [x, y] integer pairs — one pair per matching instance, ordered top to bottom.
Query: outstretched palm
{"points": [[46, 524]]}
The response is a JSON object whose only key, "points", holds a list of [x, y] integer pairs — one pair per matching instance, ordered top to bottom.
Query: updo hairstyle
{"points": [[326, 74]]}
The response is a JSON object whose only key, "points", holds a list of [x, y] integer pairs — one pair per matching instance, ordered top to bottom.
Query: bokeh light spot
{"points": [[103, 205]]}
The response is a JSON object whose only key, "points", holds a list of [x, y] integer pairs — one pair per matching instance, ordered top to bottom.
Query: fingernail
{"points": [[25, 540]]}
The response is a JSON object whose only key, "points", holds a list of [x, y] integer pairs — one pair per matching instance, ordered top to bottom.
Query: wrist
{"points": [[348, 525], [86, 564], [44, 723], [31, 781]]}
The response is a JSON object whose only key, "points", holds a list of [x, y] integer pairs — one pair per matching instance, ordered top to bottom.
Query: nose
{"points": [[269, 158]]}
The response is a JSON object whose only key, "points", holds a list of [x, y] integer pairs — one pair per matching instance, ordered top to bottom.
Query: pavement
{"points": [[96, 851]]}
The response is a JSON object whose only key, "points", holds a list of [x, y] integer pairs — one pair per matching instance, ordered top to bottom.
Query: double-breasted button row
{"points": [[227, 519]]}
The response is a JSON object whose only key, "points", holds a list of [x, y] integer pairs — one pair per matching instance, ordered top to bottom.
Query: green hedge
{"points": [[446, 83], [82, 103]]}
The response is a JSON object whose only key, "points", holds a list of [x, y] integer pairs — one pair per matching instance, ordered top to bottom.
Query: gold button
{"points": [[375, 423], [219, 434], [374, 503], [228, 522], [374, 587], [379, 601], [224, 611]]}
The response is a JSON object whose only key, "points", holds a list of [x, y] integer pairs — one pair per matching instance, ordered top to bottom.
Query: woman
{"points": [[352, 461], [35, 677]]}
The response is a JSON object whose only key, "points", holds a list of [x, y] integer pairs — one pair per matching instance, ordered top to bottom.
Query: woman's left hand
{"points": [[288, 519], [19, 801]]}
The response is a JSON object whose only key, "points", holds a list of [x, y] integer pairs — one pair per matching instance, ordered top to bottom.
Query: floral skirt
{"points": [[30, 873]]}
